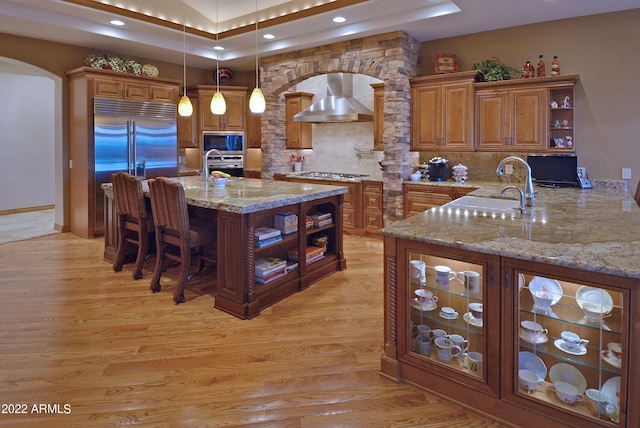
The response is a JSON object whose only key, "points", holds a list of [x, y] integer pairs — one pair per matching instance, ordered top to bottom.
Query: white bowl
{"points": [[220, 181], [546, 292], [596, 303], [563, 372]]}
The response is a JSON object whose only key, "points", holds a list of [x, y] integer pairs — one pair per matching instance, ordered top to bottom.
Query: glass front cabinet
{"points": [[526, 342]]}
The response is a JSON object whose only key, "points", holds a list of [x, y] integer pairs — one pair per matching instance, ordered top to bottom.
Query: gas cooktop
{"points": [[318, 174]]}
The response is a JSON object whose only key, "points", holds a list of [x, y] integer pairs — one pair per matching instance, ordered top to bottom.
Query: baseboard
{"points": [[27, 209]]}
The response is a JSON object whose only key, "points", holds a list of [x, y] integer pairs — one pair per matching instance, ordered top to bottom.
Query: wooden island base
{"points": [[236, 219]]}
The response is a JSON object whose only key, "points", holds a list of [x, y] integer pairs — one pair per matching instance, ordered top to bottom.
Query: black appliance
{"points": [[229, 144], [438, 169], [554, 170]]}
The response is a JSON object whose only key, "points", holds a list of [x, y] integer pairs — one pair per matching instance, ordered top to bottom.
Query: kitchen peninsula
{"points": [[237, 209], [571, 264]]}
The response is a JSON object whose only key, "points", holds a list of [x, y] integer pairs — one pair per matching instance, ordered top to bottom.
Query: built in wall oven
{"points": [[224, 151]]}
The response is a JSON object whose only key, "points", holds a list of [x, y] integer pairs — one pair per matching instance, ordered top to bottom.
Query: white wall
{"points": [[27, 135], [333, 142]]}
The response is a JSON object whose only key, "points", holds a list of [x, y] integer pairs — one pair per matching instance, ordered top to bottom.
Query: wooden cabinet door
{"points": [[108, 88], [136, 91], [163, 94], [378, 116], [457, 116], [234, 118], [426, 118], [208, 120], [492, 120], [528, 123], [188, 129], [298, 133], [253, 137]]}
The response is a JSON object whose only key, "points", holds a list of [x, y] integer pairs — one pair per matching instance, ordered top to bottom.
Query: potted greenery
{"points": [[492, 70]]}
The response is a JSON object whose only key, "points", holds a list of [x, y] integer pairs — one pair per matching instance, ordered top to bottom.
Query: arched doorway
{"points": [[31, 165]]}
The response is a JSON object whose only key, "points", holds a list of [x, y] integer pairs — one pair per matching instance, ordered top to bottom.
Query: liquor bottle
{"points": [[555, 66], [541, 67], [527, 70]]}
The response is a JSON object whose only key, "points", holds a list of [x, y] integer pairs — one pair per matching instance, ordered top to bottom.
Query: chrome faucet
{"points": [[206, 158], [528, 191], [523, 210]]}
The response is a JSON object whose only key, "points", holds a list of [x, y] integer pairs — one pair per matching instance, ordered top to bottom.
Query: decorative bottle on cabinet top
{"points": [[555, 66], [541, 67], [528, 71]]}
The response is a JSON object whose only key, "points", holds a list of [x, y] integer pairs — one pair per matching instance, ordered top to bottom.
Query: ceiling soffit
{"points": [[173, 15]]}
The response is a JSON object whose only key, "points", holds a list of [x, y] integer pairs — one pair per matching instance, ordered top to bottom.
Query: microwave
{"points": [[228, 142]]}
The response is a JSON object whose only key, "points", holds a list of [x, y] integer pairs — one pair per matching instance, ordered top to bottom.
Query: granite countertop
{"points": [[342, 179], [247, 195], [592, 229]]}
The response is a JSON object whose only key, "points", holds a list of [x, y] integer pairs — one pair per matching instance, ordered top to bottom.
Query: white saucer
{"points": [[423, 306], [448, 317], [468, 317], [534, 339], [562, 345], [608, 358]]}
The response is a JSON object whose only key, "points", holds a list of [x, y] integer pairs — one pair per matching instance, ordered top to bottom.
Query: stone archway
{"points": [[391, 57]]}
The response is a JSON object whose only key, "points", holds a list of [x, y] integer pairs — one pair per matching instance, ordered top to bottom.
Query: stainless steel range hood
{"points": [[339, 104]]}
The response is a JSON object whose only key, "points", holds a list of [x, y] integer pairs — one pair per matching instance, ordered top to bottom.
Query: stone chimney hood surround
{"points": [[339, 104]]}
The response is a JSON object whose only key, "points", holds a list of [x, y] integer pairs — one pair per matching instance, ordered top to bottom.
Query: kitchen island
{"points": [[236, 210], [572, 263]]}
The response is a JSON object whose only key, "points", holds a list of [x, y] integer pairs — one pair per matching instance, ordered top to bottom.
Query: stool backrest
{"points": [[128, 195], [169, 205]]}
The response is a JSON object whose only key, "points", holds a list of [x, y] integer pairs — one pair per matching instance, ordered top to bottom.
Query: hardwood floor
{"points": [[76, 333]]}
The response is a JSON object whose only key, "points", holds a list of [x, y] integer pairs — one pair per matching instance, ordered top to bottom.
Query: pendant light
{"points": [[257, 103], [218, 104], [185, 108]]}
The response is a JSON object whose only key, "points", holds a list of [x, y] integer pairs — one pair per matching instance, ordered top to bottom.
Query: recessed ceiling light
{"points": [[339, 19], [117, 22], [269, 36], [218, 48]]}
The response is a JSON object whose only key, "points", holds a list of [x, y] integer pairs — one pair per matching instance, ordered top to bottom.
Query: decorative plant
{"points": [[113, 62], [492, 70]]}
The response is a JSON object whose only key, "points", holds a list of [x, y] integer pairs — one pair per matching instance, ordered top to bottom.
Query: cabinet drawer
{"points": [[418, 190]]}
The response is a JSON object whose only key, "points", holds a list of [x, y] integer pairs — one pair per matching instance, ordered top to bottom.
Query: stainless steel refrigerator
{"points": [[140, 138]]}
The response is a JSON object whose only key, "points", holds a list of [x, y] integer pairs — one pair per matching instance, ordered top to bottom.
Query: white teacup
{"points": [[418, 268], [444, 275], [470, 280], [425, 295], [542, 301], [476, 310], [448, 313], [423, 329], [533, 331], [572, 340], [459, 341], [446, 349], [615, 350], [472, 361], [529, 380], [567, 393], [596, 402]]}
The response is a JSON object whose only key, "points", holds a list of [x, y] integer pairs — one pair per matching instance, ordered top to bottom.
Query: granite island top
{"points": [[247, 195], [589, 229]]}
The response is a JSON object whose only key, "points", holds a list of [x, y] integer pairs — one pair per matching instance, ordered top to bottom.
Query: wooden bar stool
{"points": [[135, 224], [175, 239]]}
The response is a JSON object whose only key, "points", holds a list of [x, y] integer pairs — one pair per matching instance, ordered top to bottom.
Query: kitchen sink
{"points": [[489, 205]]}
